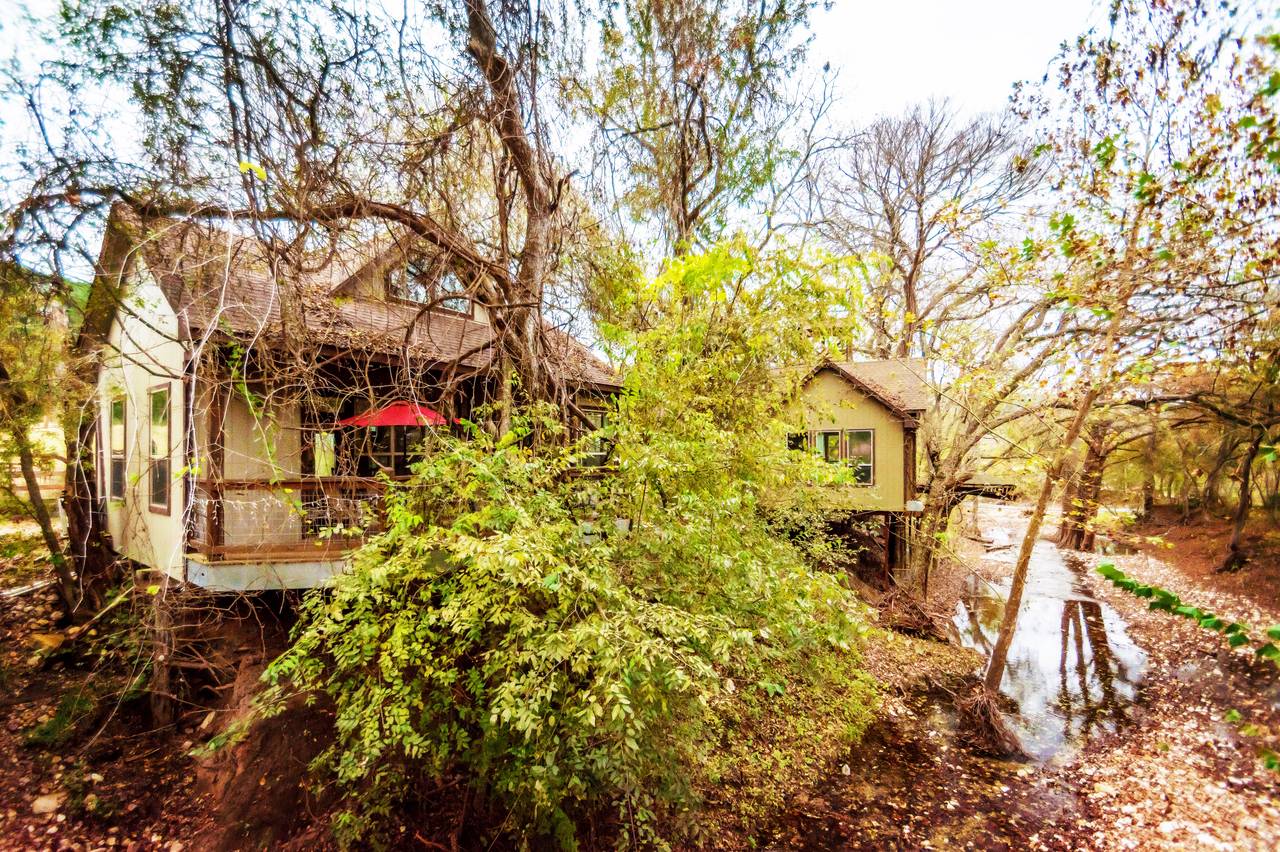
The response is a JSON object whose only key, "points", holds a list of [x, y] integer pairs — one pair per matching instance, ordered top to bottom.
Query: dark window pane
{"points": [[449, 283], [379, 439], [409, 439], [860, 446], [159, 448], [861, 455], [117, 477], [160, 483]]}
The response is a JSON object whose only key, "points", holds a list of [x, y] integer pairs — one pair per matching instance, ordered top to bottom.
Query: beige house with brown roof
{"points": [[866, 414], [231, 461]]}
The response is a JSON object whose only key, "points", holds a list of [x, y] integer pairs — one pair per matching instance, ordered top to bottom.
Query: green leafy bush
{"points": [[1236, 634], [571, 642]]}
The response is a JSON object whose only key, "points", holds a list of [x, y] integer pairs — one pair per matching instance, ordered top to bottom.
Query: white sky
{"points": [[892, 53]]}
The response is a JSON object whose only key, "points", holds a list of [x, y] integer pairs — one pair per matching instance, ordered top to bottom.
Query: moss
{"points": [[23, 558], [73, 710]]}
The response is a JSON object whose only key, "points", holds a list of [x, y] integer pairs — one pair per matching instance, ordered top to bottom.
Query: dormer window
{"points": [[449, 283], [422, 284]]}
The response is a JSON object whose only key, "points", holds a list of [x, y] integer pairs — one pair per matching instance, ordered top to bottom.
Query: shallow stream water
{"points": [[1073, 670]]}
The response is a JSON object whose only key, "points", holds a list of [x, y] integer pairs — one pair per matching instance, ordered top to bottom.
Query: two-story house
{"points": [[232, 460]]}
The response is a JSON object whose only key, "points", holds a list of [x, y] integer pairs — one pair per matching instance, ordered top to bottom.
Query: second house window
{"points": [[421, 284], [159, 449], [861, 454]]}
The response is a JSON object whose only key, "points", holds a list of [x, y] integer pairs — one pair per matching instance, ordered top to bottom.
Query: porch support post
{"points": [[217, 457]]}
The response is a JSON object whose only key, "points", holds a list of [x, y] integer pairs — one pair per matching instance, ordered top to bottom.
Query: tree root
{"points": [[983, 727]]}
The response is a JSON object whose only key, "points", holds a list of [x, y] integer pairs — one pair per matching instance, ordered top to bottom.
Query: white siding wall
{"points": [[143, 352], [263, 447]]}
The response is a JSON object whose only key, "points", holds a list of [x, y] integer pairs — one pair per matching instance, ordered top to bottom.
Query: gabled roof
{"points": [[217, 281], [898, 383]]}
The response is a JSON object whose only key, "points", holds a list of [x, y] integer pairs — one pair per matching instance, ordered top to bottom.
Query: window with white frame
{"points": [[116, 445], [860, 454]]}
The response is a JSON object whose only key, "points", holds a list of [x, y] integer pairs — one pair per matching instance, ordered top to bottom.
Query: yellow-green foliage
{"points": [[568, 642]]}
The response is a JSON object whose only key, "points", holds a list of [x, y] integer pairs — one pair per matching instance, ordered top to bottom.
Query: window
{"points": [[418, 283], [449, 283], [796, 441], [159, 443], [320, 443], [116, 446], [828, 446], [599, 447], [392, 449], [861, 454]]}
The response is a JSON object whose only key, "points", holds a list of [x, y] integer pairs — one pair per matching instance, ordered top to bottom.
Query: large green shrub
{"points": [[567, 641]]}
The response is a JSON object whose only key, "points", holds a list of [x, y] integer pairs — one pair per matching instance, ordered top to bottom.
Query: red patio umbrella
{"points": [[397, 414]]}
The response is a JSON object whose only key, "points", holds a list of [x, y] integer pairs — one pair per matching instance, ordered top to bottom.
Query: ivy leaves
{"points": [[1236, 634]]}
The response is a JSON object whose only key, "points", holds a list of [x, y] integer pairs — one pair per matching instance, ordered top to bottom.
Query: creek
{"points": [[1073, 671]]}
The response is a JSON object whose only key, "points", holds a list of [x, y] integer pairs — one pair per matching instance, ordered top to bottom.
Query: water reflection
{"points": [[1073, 670]]}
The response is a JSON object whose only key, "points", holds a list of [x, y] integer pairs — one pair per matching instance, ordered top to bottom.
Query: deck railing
{"points": [[306, 518]]}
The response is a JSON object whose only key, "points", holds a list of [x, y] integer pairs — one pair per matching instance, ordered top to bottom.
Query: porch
{"points": [[257, 534]]}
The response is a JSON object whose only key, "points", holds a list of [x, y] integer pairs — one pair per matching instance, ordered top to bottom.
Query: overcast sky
{"points": [[891, 53]]}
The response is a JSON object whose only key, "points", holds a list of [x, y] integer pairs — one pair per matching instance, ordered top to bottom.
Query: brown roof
{"points": [[217, 281], [900, 382]]}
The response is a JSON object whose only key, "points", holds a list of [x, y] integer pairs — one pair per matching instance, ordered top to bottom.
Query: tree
{"points": [[694, 116], [1147, 158], [916, 198], [32, 369]]}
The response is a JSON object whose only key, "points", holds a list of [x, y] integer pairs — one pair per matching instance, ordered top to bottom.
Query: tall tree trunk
{"points": [[18, 413], [1212, 499], [940, 502], [1070, 504], [1148, 505], [1089, 530], [1076, 532], [87, 545], [1236, 558], [67, 589], [1009, 620]]}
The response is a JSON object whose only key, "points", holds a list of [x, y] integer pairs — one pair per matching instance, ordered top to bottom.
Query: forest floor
{"points": [[1180, 769]]}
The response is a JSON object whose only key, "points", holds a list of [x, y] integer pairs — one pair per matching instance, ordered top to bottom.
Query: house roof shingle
{"points": [[218, 281], [902, 380], [898, 382]]}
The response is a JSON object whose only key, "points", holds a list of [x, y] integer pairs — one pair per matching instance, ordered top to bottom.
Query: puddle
{"points": [[1111, 547], [1073, 670]]}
